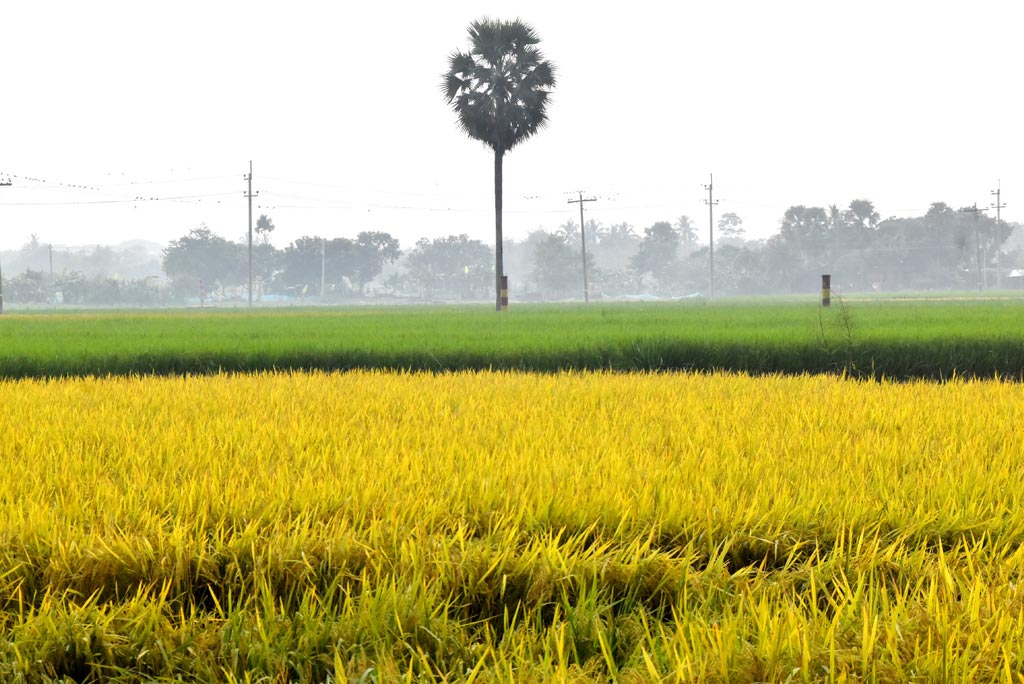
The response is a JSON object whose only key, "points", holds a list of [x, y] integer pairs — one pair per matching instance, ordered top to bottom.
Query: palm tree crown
{"points": [[500, 88]]}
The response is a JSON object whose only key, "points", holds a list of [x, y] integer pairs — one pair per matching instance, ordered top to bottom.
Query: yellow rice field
{"points": [[500, 527]]}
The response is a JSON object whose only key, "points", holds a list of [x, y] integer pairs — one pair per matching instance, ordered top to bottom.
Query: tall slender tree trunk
{"points": [[499, 266]]}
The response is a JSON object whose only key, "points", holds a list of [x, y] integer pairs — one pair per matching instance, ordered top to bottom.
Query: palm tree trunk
{"points": [[499, 267]]}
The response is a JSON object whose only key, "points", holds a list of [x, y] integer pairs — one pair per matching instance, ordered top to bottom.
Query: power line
{"points": [[164, 181], [51, 183], [100, 185], [352, 188], [114, 191], [133, 200], [327, 201], [330, 205]]}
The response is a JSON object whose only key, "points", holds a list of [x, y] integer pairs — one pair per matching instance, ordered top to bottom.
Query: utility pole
{"points": [[3, 183], [250, 196], [711, 202], [998, 206], [583, 240], [977, 244], [323, 267], [53, 289]]}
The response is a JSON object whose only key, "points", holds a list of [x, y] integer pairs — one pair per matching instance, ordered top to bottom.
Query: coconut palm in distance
{"points": [[499, 90]]}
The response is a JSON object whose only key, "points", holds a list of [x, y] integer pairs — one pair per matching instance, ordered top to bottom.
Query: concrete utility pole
{"points": [[2, 183], [250, 196], [711, 202], [998, 206], [583, 240], [323, 267], [982, 284]]}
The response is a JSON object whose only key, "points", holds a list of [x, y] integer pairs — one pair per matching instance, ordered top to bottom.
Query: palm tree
{"points": [[499, 90], [264, 227]]}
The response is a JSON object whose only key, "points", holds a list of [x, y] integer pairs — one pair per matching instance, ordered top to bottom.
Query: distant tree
{"points": [[499, 89], [938, 211], [862, 216], [835, 218], [804, 224], [856, 225], [730, 226], [264, 227], [953, 229], [805, 230], [569, 232], [595, 232], [687, 233], [619, 234], [848, 235], [371, 251], [612, 253], [33, 254], [657, 254], [201, 255], [518, 259], [103, 261], [343, 262], [265, 264], [300, 265], [347, 265], [454, 266], [558, 266], [736, 270], [394, 283], [29, 287]]}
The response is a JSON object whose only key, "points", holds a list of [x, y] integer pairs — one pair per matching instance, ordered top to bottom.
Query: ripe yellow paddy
{"points": [[472, 525]]}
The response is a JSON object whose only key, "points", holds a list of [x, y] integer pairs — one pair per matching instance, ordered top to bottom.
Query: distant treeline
{"points": [[946, 248]]}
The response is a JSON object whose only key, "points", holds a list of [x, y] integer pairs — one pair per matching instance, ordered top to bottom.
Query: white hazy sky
{"points": [[338, 106]]}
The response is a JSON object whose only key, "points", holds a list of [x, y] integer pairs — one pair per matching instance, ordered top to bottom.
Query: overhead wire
{"points": [[38, 183], [133, 200], [330, 201]]}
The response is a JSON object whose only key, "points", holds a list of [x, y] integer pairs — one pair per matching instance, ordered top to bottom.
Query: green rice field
{"points": [[912, 338]]}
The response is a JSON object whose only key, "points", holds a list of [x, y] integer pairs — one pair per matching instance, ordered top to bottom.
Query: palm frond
{"points": [[520, 34], [461, 63]]}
